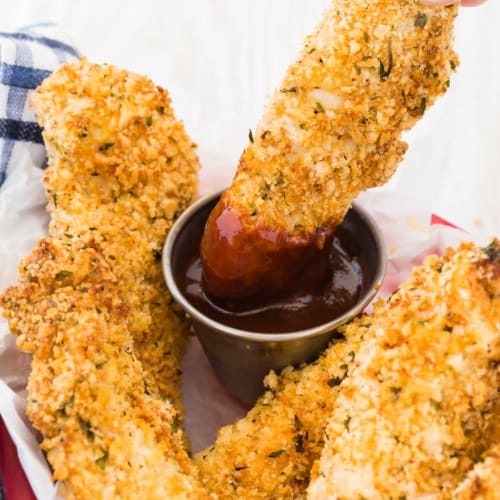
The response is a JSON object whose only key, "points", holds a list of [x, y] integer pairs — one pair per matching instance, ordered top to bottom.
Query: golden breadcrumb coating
{"points": [[333, 129], [121, 168], [420, 403], [105, 436], [270, 452], [483, 481]]}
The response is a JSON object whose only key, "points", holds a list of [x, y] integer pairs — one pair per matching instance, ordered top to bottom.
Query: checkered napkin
{"points": [[26, 58]]}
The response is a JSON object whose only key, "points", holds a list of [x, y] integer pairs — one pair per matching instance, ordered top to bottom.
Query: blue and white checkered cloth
{"points": [[26, 58]]}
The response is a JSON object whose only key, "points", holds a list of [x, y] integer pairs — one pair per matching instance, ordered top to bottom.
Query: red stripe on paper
{"points": [[436, 220]]}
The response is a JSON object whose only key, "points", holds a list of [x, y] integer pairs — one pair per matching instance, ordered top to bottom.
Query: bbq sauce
{"points": [[250, 262], [313, 302]]}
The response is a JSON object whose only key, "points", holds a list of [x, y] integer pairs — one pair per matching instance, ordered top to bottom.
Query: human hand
{"points": [[466, 3]]}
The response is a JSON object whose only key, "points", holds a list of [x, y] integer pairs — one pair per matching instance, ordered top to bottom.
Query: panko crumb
{"points": [[483, 481]]}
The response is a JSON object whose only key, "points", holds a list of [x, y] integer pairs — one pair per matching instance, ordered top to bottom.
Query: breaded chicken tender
{"points": [[332, 130], [121, 168], [421, 402], [414, 419], [105, 436], [270, 452], [483, 482]]}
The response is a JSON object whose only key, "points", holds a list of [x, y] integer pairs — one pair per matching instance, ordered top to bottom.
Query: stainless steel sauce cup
{"points": [[242, 358]]}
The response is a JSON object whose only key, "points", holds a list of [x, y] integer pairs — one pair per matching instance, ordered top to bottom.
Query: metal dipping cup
{"points": [[242, 358]]}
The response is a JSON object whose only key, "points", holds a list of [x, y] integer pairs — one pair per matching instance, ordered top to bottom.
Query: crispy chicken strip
{"points": [[368, 73], [121, 168], [449, 308], [420, 404], [105, 436], [270, 452], [483, 482]]}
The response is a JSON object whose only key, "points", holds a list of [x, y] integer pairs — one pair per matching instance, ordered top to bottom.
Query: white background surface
{"points": [[221, 58]]}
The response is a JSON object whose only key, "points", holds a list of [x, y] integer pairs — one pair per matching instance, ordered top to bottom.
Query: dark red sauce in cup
{"points": [[313, 302]]}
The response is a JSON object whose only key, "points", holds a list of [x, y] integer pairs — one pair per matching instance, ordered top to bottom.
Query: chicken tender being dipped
{"points": [[333, 129], [121, 169]]}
